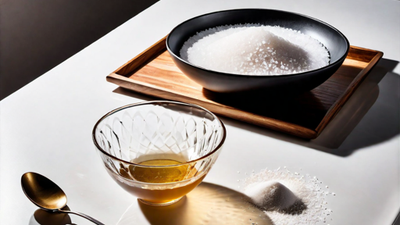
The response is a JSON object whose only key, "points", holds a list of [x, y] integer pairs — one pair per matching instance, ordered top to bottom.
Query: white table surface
{"points": [[46, 126]]}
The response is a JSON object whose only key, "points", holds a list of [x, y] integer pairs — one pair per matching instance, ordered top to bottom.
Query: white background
{"points": [[46, 126]]}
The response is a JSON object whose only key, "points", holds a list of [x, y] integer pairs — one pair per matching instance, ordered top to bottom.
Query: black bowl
{"points": [[336, 43]]}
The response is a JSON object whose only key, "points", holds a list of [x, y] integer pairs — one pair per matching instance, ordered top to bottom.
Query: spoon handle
{"points": [[84, 216]]}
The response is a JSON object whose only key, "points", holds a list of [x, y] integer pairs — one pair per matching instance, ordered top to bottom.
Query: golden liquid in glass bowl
{"points": [[159, 185]]}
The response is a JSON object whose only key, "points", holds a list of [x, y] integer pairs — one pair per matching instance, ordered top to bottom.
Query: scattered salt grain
{"points": [[255, 50], [289, 198]]}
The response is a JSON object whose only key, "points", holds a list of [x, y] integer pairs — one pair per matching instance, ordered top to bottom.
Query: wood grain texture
{"points": [[154, 73]]}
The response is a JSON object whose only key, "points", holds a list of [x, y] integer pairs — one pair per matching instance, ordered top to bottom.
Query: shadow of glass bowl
{"points": [[207, 204]]}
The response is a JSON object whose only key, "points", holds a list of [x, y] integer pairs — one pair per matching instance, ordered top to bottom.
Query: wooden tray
{"points": [[153, 73]]}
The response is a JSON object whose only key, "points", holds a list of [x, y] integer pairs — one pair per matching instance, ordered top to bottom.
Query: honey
{"points": [[162, 174], [164, 180]]}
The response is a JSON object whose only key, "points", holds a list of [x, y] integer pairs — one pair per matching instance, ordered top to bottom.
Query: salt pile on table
{"points": [[255, 50], [272, 195], [289, 198]]}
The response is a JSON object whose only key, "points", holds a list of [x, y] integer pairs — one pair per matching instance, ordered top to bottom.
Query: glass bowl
{"points": [[159, 150]]}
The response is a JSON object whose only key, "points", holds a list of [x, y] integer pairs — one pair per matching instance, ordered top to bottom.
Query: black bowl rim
{"points": [[331, 64]]}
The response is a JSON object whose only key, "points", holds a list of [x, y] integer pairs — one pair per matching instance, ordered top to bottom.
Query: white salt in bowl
{"points": [[332, 39]]}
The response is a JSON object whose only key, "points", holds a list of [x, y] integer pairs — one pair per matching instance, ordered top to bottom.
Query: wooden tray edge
{"points": [[142, 59], [350, 90]]}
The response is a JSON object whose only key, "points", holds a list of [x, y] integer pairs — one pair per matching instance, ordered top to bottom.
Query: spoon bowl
{"points": [[43, 192], [47, 195]]}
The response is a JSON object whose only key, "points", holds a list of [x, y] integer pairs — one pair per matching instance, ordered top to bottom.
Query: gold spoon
{"points": [[47, 195]]}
